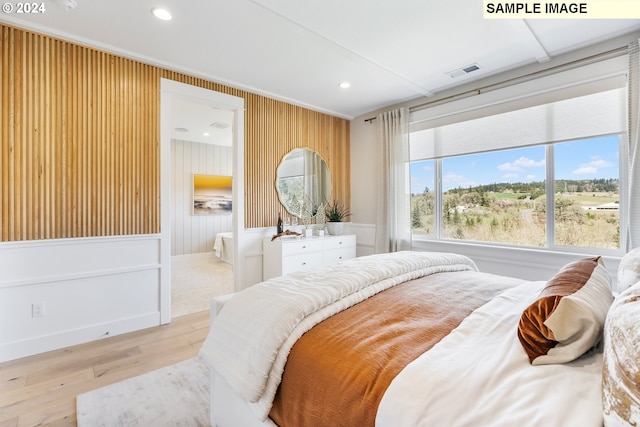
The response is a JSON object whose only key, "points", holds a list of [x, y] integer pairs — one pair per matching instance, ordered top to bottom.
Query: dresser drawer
{"points": [[340, 242], [298, 247], [339, 254], [283, 256], [300, 262]]}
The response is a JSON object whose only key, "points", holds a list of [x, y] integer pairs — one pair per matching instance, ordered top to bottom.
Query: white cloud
{"points": [[520, 165], [592, 167], [586, 170], [510, 176], [451, 180]]}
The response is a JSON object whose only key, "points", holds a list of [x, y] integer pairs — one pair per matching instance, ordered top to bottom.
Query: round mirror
{"points": [[303, 181]]}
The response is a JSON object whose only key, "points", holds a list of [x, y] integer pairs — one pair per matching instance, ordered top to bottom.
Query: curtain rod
{"points": [[526, 77]]}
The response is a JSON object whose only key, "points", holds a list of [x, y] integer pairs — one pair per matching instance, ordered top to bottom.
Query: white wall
{"points": [[195, 233], [91, 288]]}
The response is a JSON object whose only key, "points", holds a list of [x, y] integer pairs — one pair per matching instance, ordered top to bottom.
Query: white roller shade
{"points": [[585, 101], [595, 114]]}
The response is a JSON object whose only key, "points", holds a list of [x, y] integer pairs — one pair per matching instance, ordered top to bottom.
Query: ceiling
{"points": [[299, 51], [191, 121]]}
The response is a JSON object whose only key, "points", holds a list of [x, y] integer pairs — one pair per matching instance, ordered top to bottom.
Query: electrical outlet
{"points": [[37, 309]]}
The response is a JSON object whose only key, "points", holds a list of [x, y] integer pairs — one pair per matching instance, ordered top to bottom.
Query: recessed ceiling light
{"points": [[66, 4], [161, 13], [345, 85], [181, 129], [206, 134]]}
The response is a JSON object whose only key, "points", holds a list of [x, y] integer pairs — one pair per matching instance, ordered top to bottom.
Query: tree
{"points": [[568, 210], [416, 221]]}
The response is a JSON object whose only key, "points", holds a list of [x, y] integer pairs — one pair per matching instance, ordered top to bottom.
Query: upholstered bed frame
{"points": [[227, 408]]}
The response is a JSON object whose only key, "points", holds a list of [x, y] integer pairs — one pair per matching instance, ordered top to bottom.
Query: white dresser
{"points": [[283, 256]]}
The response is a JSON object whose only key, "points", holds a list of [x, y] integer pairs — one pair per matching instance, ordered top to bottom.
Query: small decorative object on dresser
{"points": [[335, 213], [279, 227], [285, 233], [286, 255]]}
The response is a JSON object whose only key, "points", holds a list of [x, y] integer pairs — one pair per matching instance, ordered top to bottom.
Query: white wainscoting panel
{"points": [[190, 233], [365, 238], [251, 254], [524, 263], [88, 288]]}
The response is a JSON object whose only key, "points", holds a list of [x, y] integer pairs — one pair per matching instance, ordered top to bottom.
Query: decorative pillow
{"points": [[629, 270], [567, 318], [621, 369]]}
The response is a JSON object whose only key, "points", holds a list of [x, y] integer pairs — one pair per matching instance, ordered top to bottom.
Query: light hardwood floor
{"points": [[42, 389]]}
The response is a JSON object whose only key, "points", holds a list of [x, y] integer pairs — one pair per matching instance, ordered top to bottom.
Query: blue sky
{"points": [[584, 159]]}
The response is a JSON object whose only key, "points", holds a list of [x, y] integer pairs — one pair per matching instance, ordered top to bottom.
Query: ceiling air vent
{"points": [[463, 71], [219, 125]]}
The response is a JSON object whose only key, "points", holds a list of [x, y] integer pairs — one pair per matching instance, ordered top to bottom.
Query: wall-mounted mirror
{"points": [[303, 178]]}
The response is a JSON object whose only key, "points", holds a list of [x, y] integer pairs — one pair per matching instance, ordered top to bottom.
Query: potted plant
{"points": [[335, 213]]}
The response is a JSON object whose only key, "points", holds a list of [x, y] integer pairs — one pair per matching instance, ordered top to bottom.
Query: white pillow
{"points": [[629, 270], [567, 318], [621, 370]]}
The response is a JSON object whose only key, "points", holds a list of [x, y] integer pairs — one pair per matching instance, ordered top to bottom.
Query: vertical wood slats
{"points": [[74, 125], [80, 141]]}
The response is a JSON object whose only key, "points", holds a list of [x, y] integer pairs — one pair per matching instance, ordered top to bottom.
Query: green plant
{"points": [[336, 212]]}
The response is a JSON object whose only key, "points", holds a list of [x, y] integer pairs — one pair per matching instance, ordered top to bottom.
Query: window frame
{"points": [[545, 88], [417, 240]]}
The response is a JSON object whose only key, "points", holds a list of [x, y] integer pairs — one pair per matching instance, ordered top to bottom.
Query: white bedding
{"points": [[251, 337], [449, 385]]}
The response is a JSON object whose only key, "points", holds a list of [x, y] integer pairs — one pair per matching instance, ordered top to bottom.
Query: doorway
{"points": [[173, 93]]}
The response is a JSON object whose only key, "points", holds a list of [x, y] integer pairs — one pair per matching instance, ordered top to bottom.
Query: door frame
{"points": [[170, 90]]}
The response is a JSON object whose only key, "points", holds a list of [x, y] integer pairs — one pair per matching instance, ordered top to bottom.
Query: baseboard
{"points": [[41, 344]]}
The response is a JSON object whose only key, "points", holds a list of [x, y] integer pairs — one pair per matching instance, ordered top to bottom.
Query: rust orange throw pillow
{"points": [[567, 318]]}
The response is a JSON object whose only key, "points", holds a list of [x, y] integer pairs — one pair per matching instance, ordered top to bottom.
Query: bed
{"points": [[223, 247], [417, 338]]}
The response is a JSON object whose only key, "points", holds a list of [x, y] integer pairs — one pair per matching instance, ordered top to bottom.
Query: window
{"points": [[491, 179], [587, 193], [501, 196], [422, 197], [496, 203]]}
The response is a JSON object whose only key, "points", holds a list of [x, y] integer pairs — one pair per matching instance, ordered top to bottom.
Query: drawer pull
{"points": [[339, 243], [304, 247], [339, 257], [304, 263]]}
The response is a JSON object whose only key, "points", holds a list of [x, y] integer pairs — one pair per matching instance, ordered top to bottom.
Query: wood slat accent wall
{"points": [[291, 127], [80, 142]]}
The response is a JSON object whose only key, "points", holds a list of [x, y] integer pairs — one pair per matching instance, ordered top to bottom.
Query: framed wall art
{"points": [[211, 194]]}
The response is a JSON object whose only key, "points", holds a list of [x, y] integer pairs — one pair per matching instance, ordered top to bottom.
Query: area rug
{"points": [[177, 395]]}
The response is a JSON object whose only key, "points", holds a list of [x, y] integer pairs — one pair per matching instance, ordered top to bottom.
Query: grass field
{"points": [[510, 218]]}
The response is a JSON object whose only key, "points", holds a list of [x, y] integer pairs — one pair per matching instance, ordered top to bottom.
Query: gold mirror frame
{"points": [[303, 182]]}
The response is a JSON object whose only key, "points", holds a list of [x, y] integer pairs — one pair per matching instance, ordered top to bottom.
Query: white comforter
{"points": [[251, 337], [479, 375]]}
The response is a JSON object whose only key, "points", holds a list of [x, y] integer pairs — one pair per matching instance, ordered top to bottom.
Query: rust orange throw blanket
{"points": [[337, 372]]}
